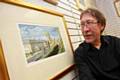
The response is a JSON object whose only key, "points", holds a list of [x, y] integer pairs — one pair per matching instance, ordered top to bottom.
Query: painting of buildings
{"points": [[40, 42]]}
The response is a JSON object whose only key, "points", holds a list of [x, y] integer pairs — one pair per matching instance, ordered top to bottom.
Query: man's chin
{"points": [[88, 41]]}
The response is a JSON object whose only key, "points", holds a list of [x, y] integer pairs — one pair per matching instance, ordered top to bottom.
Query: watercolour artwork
{"points": [[40, 42]]}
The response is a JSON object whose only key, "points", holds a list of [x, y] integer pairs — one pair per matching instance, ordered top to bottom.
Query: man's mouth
{"points": [[87, 36]]}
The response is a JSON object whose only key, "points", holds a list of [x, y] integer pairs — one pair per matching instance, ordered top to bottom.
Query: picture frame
{"points": [[54, 2], [80, 4], [117, 7], [12, 47], [3, 69], [65, 73]]}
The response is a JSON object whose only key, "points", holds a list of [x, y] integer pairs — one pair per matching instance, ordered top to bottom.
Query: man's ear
{"points": [[102, 28]]}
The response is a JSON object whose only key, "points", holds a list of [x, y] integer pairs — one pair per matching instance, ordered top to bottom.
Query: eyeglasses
{"points": [[88, 23]]}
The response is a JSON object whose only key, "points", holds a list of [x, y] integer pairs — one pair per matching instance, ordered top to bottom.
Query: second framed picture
{"points": [[80, 4], [117, 7]]}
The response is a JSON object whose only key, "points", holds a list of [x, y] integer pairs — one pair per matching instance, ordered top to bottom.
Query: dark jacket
{"points": [[99, 64]]}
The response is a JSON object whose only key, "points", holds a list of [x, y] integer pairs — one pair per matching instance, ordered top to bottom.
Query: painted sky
{"points": [[38, 32]]}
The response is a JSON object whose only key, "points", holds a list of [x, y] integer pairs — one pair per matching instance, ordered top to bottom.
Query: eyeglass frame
{"points": [[88, 23]]}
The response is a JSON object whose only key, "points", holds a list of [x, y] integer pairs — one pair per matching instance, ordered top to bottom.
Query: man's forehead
{"points": [[87, 16], [87, 20]]}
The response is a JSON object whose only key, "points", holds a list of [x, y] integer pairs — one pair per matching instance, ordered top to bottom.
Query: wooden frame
{"points": [[54, 2], [117, 7], [12, 48], [3, 68], [63, 73]]}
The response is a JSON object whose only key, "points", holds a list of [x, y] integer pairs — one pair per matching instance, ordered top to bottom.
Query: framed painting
{"points": [[117, 7], [34, 41]]}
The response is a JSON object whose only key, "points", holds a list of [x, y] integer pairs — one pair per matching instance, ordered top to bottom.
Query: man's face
{"points": [[91, 29]]}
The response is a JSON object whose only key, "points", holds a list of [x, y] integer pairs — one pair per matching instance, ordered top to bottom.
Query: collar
{"points": [[104, 41]]}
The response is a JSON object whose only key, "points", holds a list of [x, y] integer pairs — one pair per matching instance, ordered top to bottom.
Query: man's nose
{"points": [[86, 28]]}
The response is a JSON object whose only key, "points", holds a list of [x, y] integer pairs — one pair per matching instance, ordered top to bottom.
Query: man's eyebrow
{"points": [[87, 20]]}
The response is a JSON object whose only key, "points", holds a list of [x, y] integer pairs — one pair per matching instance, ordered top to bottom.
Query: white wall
{"points": [[90, 3], [113, 21]]}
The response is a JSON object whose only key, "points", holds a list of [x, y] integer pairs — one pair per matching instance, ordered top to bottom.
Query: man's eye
{"points": [[89, 22]]}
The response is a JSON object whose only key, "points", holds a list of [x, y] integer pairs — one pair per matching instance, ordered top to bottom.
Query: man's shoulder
{"points": [[111, 38]]}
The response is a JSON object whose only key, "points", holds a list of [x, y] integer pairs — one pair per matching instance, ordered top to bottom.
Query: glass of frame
{"points": [[117, 7], [34, 40]]}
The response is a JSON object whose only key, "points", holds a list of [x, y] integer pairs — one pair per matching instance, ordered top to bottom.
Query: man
{"points": [[98, 57]]}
